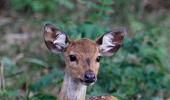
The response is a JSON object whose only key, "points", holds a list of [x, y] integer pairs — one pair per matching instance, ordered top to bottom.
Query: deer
{"points": [[82, 57]]}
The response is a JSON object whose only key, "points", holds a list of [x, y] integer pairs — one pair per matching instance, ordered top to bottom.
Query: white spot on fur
{"points": [[48, 29], [102, 97]]}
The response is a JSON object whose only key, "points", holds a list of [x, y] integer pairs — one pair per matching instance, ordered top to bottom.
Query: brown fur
{"points": [[83, 49]]}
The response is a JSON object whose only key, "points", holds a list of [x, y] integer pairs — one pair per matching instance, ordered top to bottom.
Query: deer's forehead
{"points": [[83, 47]]}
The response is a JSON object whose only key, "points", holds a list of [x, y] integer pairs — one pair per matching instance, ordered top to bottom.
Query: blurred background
{"points": [[140, 70]]}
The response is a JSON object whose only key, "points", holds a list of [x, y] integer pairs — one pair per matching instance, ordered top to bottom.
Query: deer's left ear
{"points": [[56, 40], [111, 41]]}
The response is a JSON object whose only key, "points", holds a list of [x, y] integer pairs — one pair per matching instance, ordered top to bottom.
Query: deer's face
{"points": [[82, 56], [82, 59]]}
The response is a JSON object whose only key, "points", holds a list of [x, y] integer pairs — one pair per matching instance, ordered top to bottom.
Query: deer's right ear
{"points": [[56, 40]]}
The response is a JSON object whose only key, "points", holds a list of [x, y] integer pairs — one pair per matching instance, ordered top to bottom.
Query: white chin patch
{"points": [[88, 84]]}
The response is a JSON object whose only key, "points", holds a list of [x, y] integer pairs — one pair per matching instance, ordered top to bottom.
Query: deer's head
{"points": [[82, 56]]}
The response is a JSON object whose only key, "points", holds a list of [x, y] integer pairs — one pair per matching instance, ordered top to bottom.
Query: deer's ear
{"points": [[56, 40], [111, 41]]}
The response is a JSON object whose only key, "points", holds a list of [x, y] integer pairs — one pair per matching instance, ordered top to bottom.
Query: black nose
{"points": [[89, 76]]}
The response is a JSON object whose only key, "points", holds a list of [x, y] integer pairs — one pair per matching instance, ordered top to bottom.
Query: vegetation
{"points": [[140, 70]]}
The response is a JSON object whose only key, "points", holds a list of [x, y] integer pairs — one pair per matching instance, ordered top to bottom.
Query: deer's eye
{"points": [[72, 57], [98, 59]]}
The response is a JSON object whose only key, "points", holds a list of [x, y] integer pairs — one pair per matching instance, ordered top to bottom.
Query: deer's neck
{"points": [[72, 90]]}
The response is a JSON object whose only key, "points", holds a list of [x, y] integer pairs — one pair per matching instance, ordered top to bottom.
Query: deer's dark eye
{"points": [[72, 57], [98, 59]]}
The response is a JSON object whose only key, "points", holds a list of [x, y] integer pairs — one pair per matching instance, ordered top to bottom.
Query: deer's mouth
{"points": [[89, 78], [87, 82]]}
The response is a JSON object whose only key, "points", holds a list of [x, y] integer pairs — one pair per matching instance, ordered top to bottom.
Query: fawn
{"points": [[82, 59]]}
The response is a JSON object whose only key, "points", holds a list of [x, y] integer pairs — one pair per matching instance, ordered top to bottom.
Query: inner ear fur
{"points": [[111, 41]]}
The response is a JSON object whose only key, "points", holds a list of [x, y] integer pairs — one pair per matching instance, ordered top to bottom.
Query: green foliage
{"points": [[40, 5], [139, 68], [46, 80], [41, 96]]}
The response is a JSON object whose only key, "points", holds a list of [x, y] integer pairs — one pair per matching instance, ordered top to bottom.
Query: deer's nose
{"points": [[89, 76]]}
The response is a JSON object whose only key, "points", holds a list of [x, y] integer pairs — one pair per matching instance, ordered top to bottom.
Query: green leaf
{"points": [[37, 6], [35, 61], [46, 80], [42, 96]]}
